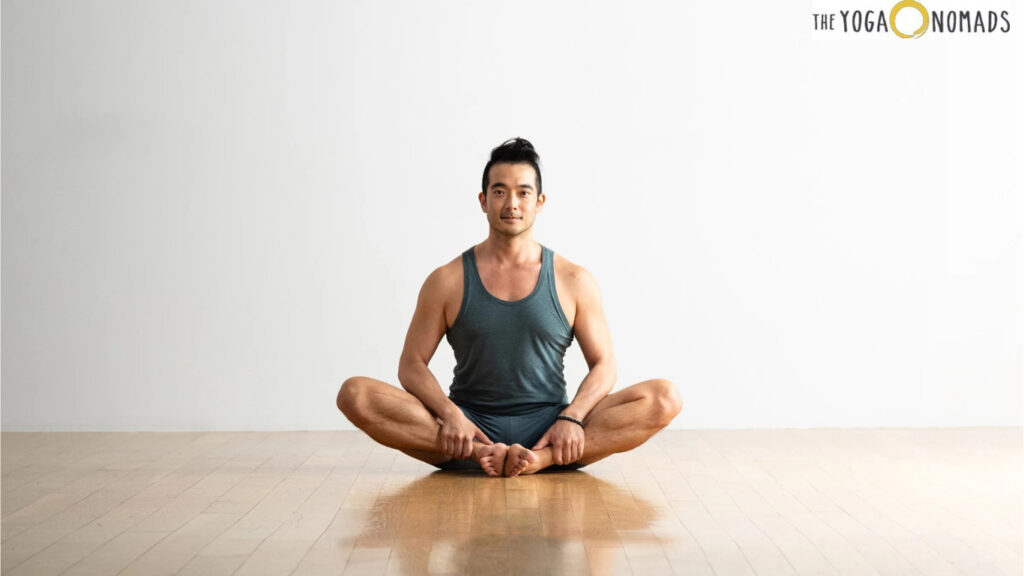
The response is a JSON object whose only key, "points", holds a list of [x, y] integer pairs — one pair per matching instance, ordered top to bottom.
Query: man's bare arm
{"points": [[426, 329], [425, 332], [595, 342], [567, 440]]}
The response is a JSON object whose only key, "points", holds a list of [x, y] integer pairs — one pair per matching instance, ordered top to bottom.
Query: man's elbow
{"points": [[408, 368], [612, 372], [403, 373], [402, 378]]}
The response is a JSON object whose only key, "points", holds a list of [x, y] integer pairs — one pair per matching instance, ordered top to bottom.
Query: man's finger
{"points": [[482, 437], [541, 443]]}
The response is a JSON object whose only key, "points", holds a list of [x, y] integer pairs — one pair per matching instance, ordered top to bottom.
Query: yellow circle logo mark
{"points": [[908, 4]]}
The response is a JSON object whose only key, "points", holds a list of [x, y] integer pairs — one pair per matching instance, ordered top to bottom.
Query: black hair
{"points": [[514, 151]]}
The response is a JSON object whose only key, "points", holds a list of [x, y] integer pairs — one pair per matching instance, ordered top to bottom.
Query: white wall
{"points": [[214, 212]]}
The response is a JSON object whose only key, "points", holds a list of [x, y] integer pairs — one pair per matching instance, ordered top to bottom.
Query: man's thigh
{"points": [[660, 395], [369, 396], [624, 396], [386, 413]]}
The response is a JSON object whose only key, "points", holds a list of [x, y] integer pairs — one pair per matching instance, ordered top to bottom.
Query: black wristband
{"points": [[569, 419]]}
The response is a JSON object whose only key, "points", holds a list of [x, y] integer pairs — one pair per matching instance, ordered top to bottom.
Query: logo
{"points": [[908, 4], [910, 19]]}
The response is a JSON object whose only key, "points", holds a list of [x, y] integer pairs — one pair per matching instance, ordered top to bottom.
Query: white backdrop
{"points": [[214, 212]]}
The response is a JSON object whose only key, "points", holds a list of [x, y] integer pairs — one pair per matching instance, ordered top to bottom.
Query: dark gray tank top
{"points": [[509, 354]]}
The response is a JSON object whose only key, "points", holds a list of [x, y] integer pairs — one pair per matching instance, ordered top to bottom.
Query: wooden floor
{"points": [[858, 502]]}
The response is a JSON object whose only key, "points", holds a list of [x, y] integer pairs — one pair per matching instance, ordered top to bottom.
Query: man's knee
{"points": [[352, 398], [667, 403]]}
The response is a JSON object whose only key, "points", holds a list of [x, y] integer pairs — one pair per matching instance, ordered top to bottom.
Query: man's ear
{"points": [[541, 199], [483, 201]]}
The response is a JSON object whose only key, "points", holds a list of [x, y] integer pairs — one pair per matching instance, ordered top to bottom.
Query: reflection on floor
{"points": [[866, 501], [546, 524]]}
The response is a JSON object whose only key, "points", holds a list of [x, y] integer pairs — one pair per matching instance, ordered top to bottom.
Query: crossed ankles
{"points": [[491, 457], [501, 460], [521, 460]]}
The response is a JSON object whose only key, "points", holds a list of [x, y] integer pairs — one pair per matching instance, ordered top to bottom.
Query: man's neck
{"points": [[514, 250]]}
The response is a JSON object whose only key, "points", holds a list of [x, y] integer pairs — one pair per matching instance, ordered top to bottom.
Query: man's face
{"points": [[512, 201]]}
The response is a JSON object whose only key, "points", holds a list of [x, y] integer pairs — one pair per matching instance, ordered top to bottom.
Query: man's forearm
{"points": [[418, 380], [597, 384]]}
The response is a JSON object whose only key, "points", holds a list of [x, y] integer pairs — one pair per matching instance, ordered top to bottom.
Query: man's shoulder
{"points": [[447, 275], [572, 275], [444, 279]]}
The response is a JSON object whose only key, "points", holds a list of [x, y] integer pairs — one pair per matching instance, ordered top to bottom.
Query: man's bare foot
{"points": [[491, 457], [520, 460]]}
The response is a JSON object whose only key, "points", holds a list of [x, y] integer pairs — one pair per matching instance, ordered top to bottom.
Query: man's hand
{"points": [[457, 434], [566, 441]]}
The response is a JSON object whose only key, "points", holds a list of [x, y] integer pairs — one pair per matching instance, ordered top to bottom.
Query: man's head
{"points": [[514, 151], [511, 194]]}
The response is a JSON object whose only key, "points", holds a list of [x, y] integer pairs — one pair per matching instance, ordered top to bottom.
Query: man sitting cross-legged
{"points": [[510, 308]]}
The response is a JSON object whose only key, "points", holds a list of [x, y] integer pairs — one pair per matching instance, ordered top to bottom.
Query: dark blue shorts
{"points": [[526, 429]]}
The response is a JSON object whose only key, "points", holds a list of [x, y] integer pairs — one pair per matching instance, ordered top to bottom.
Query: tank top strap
{"points": [[547, 268], [469, 271], [548, 273], [470, 278]]}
